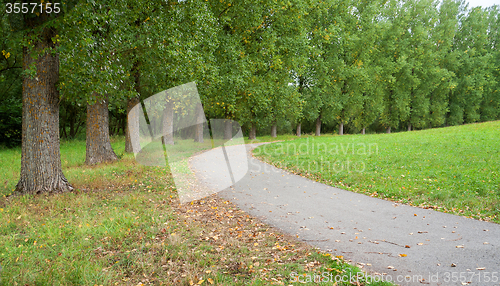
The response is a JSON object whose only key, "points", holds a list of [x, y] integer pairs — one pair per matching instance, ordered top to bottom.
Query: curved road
{"points": [[408, 245]]}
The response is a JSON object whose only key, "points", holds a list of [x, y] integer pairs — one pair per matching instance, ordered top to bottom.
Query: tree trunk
{"points": [[131, 102], [72, 120], [168, 124], [318, 126], [409, 126], [341, 128], [228, 129], [388, 129], [273, 130], [299, 131], [363, 131], [253, 132], [198, 137], [99, 148], [41, 169]]}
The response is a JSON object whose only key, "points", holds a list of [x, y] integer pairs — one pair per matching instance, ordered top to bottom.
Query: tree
{"points": [[259, 47], [445, 59], [324, 65], [396, 70], [475, 70], [490, 106], [99, 148], [41, 169]]}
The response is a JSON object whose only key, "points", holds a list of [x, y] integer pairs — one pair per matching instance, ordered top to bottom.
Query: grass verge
{"points": [[453, 169], [123, 226]]}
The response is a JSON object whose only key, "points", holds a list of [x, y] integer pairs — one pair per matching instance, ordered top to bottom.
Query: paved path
{"points": [[411, 246]]}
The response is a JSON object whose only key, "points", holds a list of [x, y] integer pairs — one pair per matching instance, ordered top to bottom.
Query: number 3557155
{"points": [[26, 8]]}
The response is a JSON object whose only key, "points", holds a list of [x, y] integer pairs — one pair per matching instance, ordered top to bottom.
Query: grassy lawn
{"points": [[453, 169], [123, 226]]}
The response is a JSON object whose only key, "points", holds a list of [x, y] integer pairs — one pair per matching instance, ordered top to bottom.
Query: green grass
{"points": [[453, 169], [123, 226]]}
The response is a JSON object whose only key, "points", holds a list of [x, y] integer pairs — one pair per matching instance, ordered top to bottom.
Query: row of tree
{"points": [[356, 63]]}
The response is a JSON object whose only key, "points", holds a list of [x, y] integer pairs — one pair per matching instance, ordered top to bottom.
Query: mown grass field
{"points": [[452, 169], [123, 226]]}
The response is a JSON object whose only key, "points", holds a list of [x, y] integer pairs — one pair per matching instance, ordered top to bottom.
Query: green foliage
{"points": [[10, 122]]}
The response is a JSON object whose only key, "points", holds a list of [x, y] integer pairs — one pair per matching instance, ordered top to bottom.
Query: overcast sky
{"points": [[483, 3]]}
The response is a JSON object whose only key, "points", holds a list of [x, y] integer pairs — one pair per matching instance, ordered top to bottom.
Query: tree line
{"points": [[352, 65]]}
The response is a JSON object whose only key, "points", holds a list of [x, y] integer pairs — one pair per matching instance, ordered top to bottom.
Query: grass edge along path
{"points": [[454, 169], [123, 226]]}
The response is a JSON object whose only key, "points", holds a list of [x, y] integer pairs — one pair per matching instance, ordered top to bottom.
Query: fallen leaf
{"points": [[407, 246], [459, 246], [403, 255], [480, 268], [210, 280]]}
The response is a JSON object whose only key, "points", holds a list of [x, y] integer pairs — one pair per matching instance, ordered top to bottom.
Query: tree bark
{"points": [[131, 102], [168, 124], [318, 126], [409, 126], [341, 128], [228, 129], [388, 129], [274, 130], [299, 131], [363, 131], [253, 132], [198, 137], [129, 138], [99, 148], [41, 170]]}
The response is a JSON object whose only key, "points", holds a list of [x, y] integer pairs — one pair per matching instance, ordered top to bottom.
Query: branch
{"points": [[225, 10], [9, 68]]}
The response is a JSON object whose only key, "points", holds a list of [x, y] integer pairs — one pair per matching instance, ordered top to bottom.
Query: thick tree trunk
{"points": [[168, 124], [318, 126], [409, 126], [341, 128], [228, 129], [388, 129], [274, 130], [299, 131], [363, 131], [253, 132], [198, 137], [99, 148], [41, 169]]}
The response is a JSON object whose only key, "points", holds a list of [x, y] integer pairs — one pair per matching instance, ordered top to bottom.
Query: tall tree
{"points": [[445, 60], [396, 69], [475, 70], [41, 169]]}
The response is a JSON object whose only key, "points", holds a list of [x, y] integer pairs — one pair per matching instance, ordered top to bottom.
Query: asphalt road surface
{"points": [[400, 243]]}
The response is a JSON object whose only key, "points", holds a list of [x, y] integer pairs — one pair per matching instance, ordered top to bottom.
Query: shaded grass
{"points": [[453, 169], [123, 226]]}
